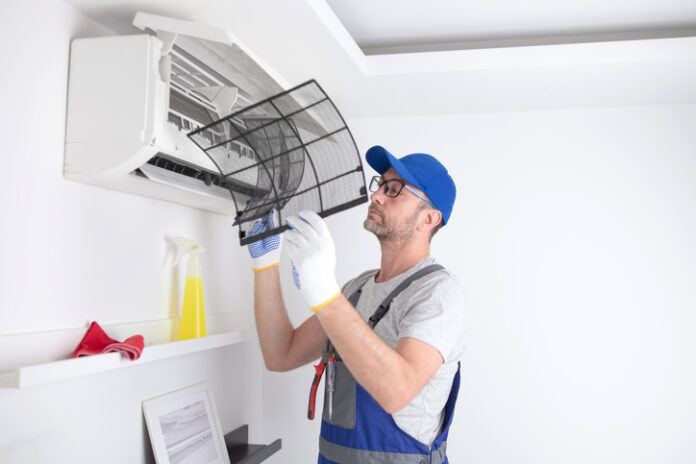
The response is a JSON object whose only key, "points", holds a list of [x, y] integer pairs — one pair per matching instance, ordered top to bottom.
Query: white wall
{"points": [[573, 236], [73, 253], [86, 253]]}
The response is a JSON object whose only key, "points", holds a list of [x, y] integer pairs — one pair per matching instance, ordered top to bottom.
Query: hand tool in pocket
{"points": [[318, 372], [331, 383]]}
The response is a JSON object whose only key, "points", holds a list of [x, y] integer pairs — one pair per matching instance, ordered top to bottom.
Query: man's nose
{"points": [[378, 196]]}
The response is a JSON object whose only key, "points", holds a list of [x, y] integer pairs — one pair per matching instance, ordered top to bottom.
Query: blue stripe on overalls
{"points": [[374, 436]]}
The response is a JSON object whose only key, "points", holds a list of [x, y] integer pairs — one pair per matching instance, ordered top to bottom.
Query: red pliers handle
{"points": [[318, 372]]}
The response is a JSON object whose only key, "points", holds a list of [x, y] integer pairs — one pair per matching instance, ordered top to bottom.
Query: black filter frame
{"points": [[292, 151]]}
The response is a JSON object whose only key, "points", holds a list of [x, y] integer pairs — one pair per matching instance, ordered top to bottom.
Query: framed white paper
{"points": [[184, 428]]}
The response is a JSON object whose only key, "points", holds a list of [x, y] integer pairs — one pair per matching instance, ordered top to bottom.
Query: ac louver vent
{"points": [[168, 170]]}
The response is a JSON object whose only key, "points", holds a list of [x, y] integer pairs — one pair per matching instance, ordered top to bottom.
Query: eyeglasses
{"points": [[392, 188]]}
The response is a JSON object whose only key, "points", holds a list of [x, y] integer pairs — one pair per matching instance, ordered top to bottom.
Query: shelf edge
{"points": [[65, 369]]}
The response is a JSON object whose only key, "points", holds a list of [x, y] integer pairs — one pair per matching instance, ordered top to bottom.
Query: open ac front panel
{"points": [[132, 100]]}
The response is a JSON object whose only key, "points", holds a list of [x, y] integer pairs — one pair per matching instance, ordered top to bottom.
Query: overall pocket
{"points": [[343, 399]]}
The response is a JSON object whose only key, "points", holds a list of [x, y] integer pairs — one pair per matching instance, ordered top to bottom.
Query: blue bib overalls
{"points": [[360, 430]]}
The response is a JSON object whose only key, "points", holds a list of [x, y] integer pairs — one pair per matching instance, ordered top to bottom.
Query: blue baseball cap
{"points": [[422, 171]]}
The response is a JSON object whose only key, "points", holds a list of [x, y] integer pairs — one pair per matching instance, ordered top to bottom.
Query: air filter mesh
{"points": [[288, 153]]}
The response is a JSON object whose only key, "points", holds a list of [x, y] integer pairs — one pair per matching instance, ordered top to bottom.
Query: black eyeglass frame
{"points": [[377, 182]]}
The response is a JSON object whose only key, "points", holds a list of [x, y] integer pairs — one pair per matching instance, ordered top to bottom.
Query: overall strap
{"points": [[361, 280], [386, 304], [383, 307]]}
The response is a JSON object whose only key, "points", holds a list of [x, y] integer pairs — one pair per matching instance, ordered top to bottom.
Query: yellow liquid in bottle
{"points": [[193, 310]]}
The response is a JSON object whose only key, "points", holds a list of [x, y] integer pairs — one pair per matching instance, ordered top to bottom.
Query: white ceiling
{"points": [[397, 25], [496, 54]]}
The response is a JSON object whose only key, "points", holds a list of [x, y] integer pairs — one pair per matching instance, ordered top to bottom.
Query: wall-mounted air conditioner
{"points": [[133, 99]]}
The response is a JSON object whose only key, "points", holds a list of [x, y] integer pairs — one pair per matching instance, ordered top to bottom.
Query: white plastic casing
{"points": [[118, 106]]}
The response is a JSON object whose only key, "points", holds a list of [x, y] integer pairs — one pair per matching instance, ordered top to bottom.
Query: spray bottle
{"points": [[192, 323]]}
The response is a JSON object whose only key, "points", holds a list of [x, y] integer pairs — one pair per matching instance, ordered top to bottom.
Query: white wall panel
{"points": [[573, 236], [74, 253]]}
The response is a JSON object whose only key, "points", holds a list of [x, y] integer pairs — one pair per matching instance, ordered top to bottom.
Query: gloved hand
{"points": [[311, 249], [265, 253]]}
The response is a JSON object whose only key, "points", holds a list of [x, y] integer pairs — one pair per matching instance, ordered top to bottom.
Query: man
{"points": [[393, 372]]}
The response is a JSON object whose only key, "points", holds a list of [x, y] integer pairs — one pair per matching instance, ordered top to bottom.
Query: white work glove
{"points": [[311, 249], [265, 253]]}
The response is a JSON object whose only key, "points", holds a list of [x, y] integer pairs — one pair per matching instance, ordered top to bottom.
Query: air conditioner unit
{"points": [[132, 100]]}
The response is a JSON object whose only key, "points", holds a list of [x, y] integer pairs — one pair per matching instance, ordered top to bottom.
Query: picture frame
{"points": [[184, 428]]}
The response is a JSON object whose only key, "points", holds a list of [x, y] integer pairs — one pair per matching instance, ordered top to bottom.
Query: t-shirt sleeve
{"points": [[434, 314]]}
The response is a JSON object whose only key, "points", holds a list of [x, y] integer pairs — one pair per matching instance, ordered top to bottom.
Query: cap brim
{"points": [[381, 160]]}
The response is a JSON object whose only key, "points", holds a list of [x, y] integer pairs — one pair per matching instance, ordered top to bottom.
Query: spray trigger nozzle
{"points": [[183, 246]]}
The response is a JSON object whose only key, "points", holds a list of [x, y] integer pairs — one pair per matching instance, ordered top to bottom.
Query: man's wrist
{"points": [[265, 262], [264, 268], [318, 296], [325, 303]]}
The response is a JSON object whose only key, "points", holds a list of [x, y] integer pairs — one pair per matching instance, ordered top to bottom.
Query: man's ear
{"points": [[431, 219]]}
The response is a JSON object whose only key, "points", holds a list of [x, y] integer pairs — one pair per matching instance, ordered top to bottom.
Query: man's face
{"points": [[389, 218]]}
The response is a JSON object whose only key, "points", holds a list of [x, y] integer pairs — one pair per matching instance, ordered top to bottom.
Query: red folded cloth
{"points": [[96, 341]]}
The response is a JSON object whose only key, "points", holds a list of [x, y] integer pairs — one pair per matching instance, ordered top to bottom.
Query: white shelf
{"points": [[39, 374]]}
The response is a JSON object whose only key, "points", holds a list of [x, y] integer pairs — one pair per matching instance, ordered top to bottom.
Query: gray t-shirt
{"points": [[431, 309]]}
